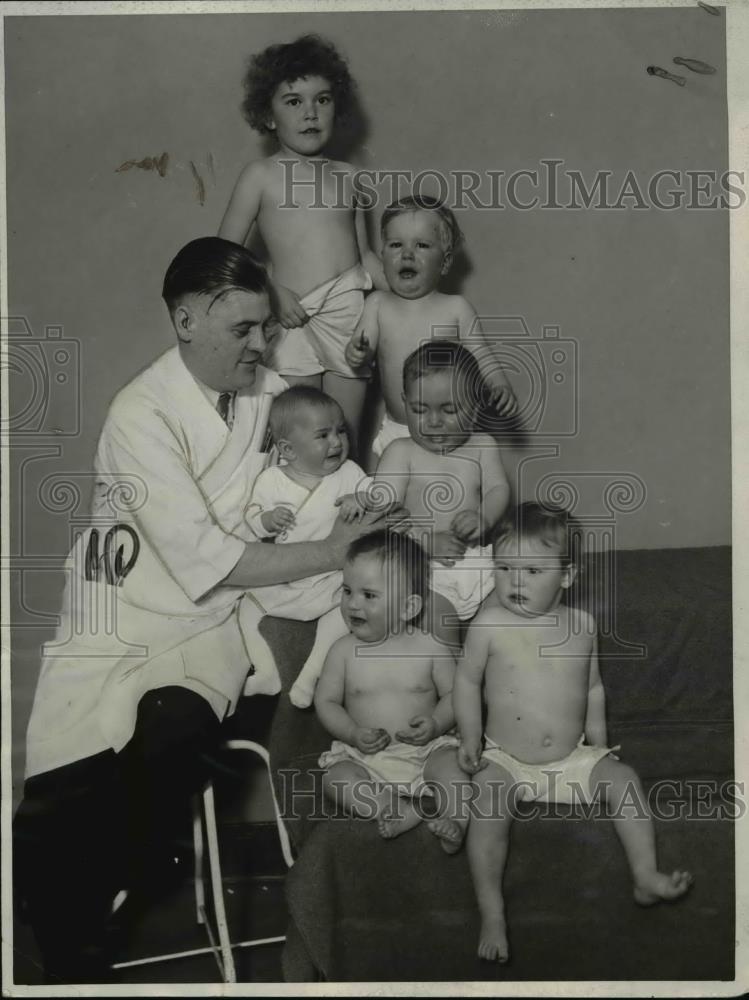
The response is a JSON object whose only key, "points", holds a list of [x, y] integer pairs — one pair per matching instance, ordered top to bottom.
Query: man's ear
{"points": [[447, 262], [184, 323], [569, 575], [411, 607]]}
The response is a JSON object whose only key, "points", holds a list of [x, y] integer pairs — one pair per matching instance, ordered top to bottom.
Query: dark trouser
{"points": [[106, 823]]}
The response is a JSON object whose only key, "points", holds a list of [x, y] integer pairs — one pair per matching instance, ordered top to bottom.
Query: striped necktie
{"points": [[223, 405]]}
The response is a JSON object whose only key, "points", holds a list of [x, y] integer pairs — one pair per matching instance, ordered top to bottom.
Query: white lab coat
{"points": [[168, 466]]}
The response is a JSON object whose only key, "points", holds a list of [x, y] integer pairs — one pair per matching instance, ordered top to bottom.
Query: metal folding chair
{"points": [[204, 817]]}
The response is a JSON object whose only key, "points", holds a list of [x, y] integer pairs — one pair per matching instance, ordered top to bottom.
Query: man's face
{"points": [[303, 115], [413, 256], [223, 339], [530, 582]]}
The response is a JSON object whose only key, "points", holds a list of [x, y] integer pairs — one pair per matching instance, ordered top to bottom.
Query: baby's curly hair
{"points": [[309, 55]]}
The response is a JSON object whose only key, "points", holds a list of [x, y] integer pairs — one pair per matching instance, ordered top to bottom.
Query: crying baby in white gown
{"points": [[299, 501]]}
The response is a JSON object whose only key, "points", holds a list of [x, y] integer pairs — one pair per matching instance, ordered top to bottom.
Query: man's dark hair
{"points": [[309, 55], [212, 266], [398, 552]]}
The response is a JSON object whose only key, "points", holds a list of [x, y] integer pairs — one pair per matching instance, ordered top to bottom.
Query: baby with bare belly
{"points": [[531, 662], [385, 695]]}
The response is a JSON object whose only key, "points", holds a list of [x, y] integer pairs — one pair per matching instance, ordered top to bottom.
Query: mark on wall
{"points": [[709, 8], [696, 65], [665, 75], [158, 163], [161, 164], [199, 184]]}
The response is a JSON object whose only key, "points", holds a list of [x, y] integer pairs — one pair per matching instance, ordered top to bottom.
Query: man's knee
{"points": [[171, 716]]}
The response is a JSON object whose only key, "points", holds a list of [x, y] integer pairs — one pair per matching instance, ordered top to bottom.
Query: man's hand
{"points": [[287, 308], [358, 352], [502, 399], [351, 507], [277, 520], [466, 526], [345, 532], [446, 548], [423, 730], [370, 740], [469, 758]]}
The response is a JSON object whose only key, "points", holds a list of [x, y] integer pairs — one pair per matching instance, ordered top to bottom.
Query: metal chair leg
{"points": [[261, 751], [205, 811], [197, 841], [217, 887]]}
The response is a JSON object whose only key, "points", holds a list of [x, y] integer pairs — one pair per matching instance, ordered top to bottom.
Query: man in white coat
{"points": [[149, 656]]}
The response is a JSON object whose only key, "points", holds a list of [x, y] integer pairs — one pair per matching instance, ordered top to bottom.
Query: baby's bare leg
{"points": [[350, 393], [441, 620], [330, 627], [349, 785], [621, 788], [452, 797], [488, 840]]}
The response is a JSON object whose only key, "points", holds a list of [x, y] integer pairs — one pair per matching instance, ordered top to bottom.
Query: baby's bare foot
{"points": [[389, 826], [449, 832], [658, 887], [493, 945]]}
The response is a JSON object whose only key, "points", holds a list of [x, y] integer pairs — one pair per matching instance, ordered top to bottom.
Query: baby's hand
{"points": [[287, 308], [358, 352], [502, 399], [352, 509], [278, 519], [466, 526], [446, 548], [423, 730], [370, 740], [469, 758]]}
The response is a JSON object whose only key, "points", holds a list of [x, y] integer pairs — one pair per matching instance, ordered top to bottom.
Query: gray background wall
{"points": [[642, 293]]}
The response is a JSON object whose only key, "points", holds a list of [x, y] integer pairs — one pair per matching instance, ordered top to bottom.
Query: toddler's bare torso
{"points": [[308, 230], [439, 486], [536, 681], [388, 683]]}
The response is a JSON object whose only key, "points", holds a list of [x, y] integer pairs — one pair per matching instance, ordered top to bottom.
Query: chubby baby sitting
{"points": [[385, 695]]}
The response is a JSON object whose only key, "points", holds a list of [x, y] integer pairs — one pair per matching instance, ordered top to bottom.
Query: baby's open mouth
{"points": [[407, 272]]}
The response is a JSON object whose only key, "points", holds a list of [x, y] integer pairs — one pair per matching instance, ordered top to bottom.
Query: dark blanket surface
{"points": [[367, 909]]}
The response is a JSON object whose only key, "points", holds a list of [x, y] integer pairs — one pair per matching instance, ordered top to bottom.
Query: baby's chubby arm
{"points": [[239, 218], [362, 347], [501, 395], [390, 481], [268, 512], [470, 526], [467, 693], [329, 704], [595, 715], [425, 728]]}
